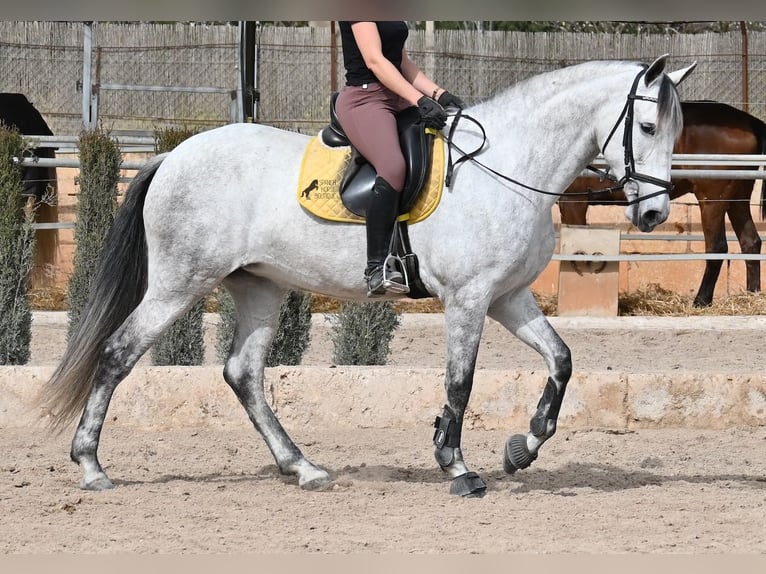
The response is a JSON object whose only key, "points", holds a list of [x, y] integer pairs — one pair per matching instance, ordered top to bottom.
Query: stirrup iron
{"points": [[393, 259], [393, 286]]}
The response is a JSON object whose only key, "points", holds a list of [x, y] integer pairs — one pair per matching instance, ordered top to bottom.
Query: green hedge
{"points": [[100, 160], [17, 248], [362, 333]]}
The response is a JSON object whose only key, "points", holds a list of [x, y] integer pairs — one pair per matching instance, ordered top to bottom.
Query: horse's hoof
{"points": [[517, 455], [100, 483], [316, 483], [468, 485]]}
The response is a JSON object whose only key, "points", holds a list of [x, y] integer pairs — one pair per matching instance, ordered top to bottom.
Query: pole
{"points": [[256, 50], [333, 59], [430, 66], [247, 67], [745, 68], [87, 81], [239, 115]]}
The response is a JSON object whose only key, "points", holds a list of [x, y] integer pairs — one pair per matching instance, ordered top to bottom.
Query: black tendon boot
{"points": [[381, 215]]}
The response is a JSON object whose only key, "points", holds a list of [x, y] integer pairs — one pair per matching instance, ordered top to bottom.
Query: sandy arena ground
{"points": [[204, 490]]}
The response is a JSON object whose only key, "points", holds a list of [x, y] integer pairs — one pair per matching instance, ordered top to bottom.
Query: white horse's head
{"points": [[639, 146]]}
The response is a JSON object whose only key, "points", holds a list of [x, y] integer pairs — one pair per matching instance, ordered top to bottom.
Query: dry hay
{"points": [[48, 299], [653, 300]]}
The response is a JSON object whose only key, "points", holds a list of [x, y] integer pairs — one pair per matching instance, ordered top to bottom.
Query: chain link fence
{"points": [[44, 61]]}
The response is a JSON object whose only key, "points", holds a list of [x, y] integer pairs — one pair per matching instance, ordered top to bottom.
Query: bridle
{"points": [[627, 142]]}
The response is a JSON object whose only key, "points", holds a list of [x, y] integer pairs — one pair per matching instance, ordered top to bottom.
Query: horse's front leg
{"points": [[714, 228], [521, 315], [464, 328]]}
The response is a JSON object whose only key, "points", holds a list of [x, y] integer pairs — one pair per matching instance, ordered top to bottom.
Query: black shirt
{"points": [[392, 38]]}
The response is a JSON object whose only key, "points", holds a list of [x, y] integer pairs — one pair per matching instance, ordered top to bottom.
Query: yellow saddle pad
{"points": [[323, 168]]}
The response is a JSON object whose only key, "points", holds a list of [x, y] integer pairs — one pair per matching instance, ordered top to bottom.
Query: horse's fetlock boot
{"points": [[547, 410], [448, 430]]}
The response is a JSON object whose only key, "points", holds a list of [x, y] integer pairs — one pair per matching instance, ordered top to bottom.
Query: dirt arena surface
{"points": [[217, 490]]}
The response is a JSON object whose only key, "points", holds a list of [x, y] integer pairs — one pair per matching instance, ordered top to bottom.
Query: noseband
{"points": [[627, 142]]}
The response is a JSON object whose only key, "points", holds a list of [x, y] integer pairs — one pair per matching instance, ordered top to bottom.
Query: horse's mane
{"points": [[668, 100], [669, 106]]}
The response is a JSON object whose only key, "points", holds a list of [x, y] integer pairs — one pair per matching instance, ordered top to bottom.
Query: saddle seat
{"points": [[358, 179]]}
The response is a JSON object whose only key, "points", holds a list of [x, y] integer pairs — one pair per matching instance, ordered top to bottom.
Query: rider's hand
{"points": [[447, 100], [431, 113]]}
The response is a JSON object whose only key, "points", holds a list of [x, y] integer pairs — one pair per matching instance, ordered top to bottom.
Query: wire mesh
{"points": [[44, 61]]}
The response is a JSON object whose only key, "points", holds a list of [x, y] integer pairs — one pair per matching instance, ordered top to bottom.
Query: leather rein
{"points": [[627, 142]]}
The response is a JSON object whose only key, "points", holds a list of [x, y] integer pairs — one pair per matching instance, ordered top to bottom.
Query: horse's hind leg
{"points": [[747, 234], [258, 304], [521, 315], [121, 352]]}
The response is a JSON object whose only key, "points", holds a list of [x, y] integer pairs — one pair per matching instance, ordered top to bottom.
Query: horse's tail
{"points": [[117, 287]]}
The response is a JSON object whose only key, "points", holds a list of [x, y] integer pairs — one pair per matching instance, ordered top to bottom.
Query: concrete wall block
{"points": [[695, 400]]}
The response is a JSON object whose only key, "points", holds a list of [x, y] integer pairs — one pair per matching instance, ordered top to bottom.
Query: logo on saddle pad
{"points": [[321, 176], [312, 186]]}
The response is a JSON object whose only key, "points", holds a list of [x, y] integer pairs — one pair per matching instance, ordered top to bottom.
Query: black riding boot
{"points": [[381, 215]]}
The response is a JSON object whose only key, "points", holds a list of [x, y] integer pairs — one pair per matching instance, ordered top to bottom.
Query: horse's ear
{"points": [[655, 70], [680, 75]]}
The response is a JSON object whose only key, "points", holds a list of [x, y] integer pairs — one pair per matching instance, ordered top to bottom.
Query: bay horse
{"points": [[709, 128], [221, 208]]}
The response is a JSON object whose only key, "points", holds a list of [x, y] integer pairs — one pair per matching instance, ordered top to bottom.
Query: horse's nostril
{"points": [[652, 218]]}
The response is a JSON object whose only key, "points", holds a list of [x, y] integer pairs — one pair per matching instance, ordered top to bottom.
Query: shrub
{"points": [[100, 160], [17, 246], [227, 325], [294, 332], [361, 333], [183, 343]]}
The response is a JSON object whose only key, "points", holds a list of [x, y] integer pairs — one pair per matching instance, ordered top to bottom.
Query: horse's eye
{"points": [[648, 128]]}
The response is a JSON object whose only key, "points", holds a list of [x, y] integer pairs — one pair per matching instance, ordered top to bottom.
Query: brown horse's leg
{"points": [[573, 211], [712, 214], [749, 240]]}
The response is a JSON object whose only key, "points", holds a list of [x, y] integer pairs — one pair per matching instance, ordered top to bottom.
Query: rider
{"points": [[381, 80]]}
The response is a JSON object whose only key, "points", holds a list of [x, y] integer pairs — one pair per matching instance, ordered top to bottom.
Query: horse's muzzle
{"points": [[644, 212], [650, 219]]}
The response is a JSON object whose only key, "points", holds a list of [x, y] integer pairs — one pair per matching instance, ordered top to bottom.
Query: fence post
{"points": [[87, 79], [588, 287]]}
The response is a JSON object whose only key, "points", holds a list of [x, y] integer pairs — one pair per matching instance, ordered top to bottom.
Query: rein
{"points": [[627, 142]]}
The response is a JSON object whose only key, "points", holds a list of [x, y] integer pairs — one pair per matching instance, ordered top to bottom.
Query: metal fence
{"points": [[44, 61]]}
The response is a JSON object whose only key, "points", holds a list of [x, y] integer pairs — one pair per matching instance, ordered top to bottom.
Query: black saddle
{"points": [[359, 177]]}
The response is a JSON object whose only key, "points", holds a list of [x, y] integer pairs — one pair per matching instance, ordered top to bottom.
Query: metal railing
{"points": [[142, 143]]}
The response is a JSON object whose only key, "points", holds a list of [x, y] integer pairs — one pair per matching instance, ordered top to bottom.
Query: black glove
{"points": [[447, 100], [431, 113]]}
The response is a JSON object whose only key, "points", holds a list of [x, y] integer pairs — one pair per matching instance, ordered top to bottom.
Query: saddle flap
{"points": [[417, 147]]}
